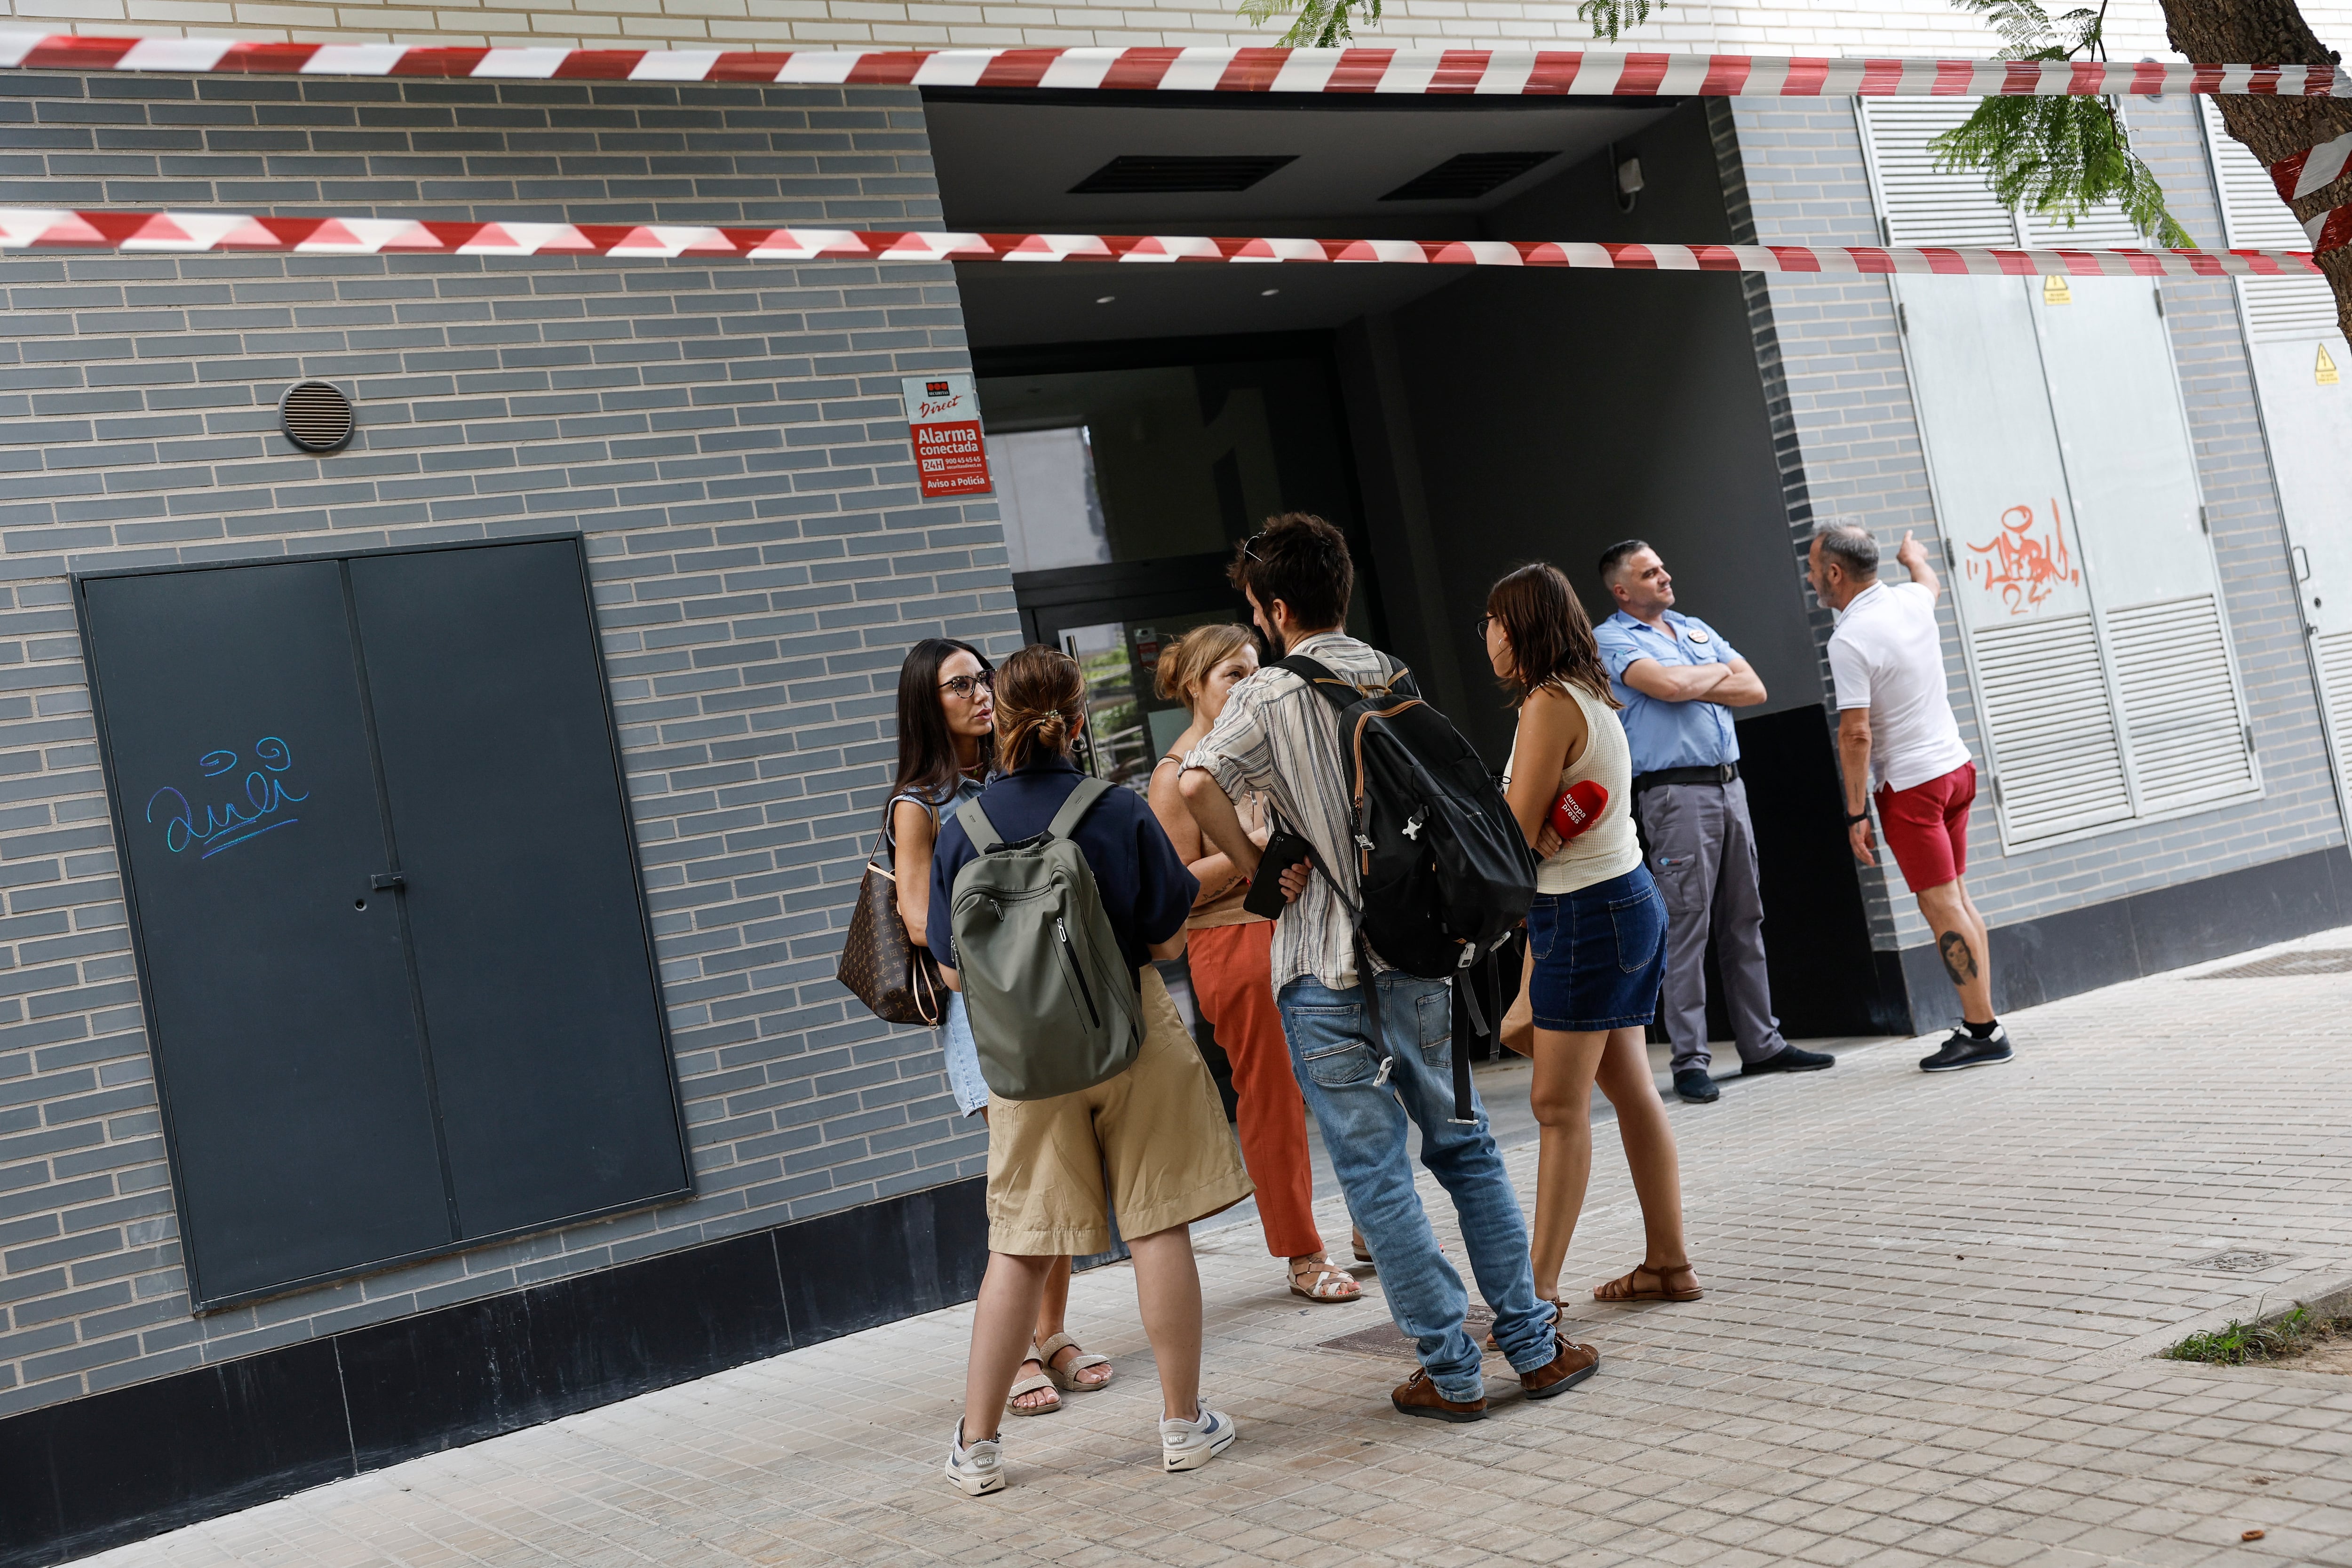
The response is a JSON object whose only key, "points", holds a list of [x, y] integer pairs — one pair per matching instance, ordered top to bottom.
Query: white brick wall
{"points": [[1907, 26]]}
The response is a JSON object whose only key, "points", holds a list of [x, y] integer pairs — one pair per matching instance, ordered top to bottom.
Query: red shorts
{"points": [[1926, 826]]}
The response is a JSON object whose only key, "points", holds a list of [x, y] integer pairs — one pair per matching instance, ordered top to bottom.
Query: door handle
{"points": [[2302, 564], [385, 881]]}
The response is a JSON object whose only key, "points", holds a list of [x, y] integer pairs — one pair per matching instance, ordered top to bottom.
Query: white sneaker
{"points": [[1189, 1444], [979, 1469]]}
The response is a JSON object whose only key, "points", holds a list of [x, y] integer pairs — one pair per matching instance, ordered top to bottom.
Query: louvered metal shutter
{"points": [[1918, 204], [2296, 310], [2332, 652], [2179, 704], [2052, 728]]}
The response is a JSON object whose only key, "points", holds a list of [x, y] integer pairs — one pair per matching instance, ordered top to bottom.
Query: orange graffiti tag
{"points": [[2021, 568]]}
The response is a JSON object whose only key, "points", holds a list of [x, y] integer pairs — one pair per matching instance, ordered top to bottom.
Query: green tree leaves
{"points": [[1321, 25], [2057, 157]]}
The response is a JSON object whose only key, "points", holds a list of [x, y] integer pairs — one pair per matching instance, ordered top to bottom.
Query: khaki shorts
{"points": [[1157, 1131]]}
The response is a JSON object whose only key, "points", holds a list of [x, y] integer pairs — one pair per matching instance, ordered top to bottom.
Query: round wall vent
{"points": [[315, 416]]}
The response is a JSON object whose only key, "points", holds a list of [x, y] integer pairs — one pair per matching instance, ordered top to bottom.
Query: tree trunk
{"points": [[2272, 32]]}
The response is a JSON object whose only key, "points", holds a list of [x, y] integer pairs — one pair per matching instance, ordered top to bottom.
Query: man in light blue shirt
{"points": [[1679, 681]]}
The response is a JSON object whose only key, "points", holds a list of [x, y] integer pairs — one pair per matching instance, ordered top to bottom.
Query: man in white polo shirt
{"points": [[1896, 728]]}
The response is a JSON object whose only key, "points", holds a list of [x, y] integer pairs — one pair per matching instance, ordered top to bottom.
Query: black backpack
{"points": [[1444, 874]]}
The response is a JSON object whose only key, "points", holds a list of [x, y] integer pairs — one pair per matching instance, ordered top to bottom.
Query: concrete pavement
{"points": [[1932, 1312]]}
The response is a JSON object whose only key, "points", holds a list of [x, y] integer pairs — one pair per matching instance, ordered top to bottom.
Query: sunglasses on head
{"points": [[962, 687]]}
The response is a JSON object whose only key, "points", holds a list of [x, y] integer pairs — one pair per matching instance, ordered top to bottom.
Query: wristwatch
{"points": [[1857, 817]]}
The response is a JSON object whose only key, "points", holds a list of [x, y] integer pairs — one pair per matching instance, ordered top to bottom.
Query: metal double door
{"points": [[398, 980]]}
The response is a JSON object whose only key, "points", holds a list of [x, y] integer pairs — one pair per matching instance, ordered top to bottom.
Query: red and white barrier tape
{"points": [[1509, 72], [2314, 170], [224, 232]]}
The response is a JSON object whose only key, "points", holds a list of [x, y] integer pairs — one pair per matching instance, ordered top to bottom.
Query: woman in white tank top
{"points": [[1596, 934]]}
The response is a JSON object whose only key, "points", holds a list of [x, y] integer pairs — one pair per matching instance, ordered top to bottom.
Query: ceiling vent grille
{"points": [[1152, 174], [1466, 176], [315, 416]]}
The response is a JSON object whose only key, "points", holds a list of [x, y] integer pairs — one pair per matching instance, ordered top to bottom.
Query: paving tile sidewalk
{"points": [[1932, 1309]]}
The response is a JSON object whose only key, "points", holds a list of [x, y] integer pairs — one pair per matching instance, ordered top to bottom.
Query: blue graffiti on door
{"points": [[232, 821]]}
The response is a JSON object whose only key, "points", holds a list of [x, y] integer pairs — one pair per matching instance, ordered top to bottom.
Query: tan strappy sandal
{"points": [[1330, 1283], [1629, 1286], [1065, 1378], [1031, 1386]]}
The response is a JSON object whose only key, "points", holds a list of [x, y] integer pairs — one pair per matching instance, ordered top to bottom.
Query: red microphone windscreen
{"points": [[1579, 807]]}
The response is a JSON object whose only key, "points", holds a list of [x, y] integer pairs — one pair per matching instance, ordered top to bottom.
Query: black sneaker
{"points": [[1964, 1050], [1789, 1058], [1695, 1084]]}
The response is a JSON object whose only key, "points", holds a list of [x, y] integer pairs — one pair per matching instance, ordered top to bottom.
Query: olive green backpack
{"points": [[1052, 1005]]}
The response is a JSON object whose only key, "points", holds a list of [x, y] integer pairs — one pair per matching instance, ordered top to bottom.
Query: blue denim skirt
{"points": [[1599, 954]]}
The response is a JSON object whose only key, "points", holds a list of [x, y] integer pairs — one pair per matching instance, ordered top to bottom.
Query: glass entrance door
{"points": [[1126, 473]]}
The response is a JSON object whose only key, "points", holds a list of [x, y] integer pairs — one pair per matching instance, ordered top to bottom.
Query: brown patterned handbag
{"points": [[896, 980]]}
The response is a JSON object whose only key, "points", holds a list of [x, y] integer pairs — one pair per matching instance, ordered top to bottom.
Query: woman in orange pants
{"points": [[1233, 979]]}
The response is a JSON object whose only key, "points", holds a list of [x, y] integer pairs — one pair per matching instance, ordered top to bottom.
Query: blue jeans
{"points": [[970, 1089], [1362, 1117]]}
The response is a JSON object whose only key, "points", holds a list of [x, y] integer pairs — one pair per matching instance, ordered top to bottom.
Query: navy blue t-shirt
{"points": [[1146, 890]]}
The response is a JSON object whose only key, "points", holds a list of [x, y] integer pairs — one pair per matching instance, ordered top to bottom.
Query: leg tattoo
{"points": [[1959, 962]]}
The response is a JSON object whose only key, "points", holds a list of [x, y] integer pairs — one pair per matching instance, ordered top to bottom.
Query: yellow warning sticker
{"points": [[2055, 291], [2323, 372]]}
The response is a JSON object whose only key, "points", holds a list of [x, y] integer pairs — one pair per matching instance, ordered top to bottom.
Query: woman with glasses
{"points": [[947, 749], [1596, 934]]}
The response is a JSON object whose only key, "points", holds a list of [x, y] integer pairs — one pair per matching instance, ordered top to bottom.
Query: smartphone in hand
{"points": [[1284, 849]]}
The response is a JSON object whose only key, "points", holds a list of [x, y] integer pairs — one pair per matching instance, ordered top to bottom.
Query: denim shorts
{"points": [[1599, 954]]}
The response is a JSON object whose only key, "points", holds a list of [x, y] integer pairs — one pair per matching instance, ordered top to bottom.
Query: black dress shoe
{"points": [[1964, 1050], [1789, 1058], [1695, 1085]]}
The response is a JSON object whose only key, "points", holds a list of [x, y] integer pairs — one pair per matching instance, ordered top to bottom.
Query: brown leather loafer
{"points": [[1571, 1366], [1416, 1395]]}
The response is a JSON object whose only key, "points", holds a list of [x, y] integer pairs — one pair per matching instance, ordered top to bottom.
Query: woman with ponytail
{"points": [[947, 749], [1233, 974], [1154, 1133]]}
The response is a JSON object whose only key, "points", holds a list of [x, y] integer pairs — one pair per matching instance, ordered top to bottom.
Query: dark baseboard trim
{"points": [[2041, 961], [134, 1462]]}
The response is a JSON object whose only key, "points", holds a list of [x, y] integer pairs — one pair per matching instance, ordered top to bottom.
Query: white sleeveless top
{"points": [[1609, 848]]}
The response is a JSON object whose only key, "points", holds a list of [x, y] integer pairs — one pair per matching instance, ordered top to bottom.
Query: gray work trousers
{"points": [[1702, 850]]}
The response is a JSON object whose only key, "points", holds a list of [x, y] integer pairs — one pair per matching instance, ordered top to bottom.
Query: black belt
{"points": [[1721, 774]]}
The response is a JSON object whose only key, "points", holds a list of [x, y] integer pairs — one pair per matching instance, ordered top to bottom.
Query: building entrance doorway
{"points": [[1453, 422], [1126, 472]]}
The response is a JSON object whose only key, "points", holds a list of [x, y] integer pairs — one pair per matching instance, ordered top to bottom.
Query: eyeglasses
{"points": [[1251, 541], [1479, 626], [962, 687]]}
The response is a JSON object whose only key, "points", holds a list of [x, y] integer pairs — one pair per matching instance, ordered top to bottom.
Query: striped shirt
{"points": [[1279, 735]]}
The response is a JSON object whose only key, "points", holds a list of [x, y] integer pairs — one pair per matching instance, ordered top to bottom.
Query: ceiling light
{"points": [[1170, 175], [1466, 176], [1268, 293], [1104, 298]]}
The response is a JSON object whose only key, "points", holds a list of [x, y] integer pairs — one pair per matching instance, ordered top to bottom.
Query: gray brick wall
{"points": [[1833, 361], [728, 437]]}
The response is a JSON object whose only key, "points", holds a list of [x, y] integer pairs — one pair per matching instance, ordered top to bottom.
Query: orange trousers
{"points": [[1233, 979]]}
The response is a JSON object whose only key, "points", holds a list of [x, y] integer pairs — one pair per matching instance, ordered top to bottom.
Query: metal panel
{"points": [[2306, 424], [2124, 431], [2065, 484], [2005, 508], [522, 893], [278, 997]]}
